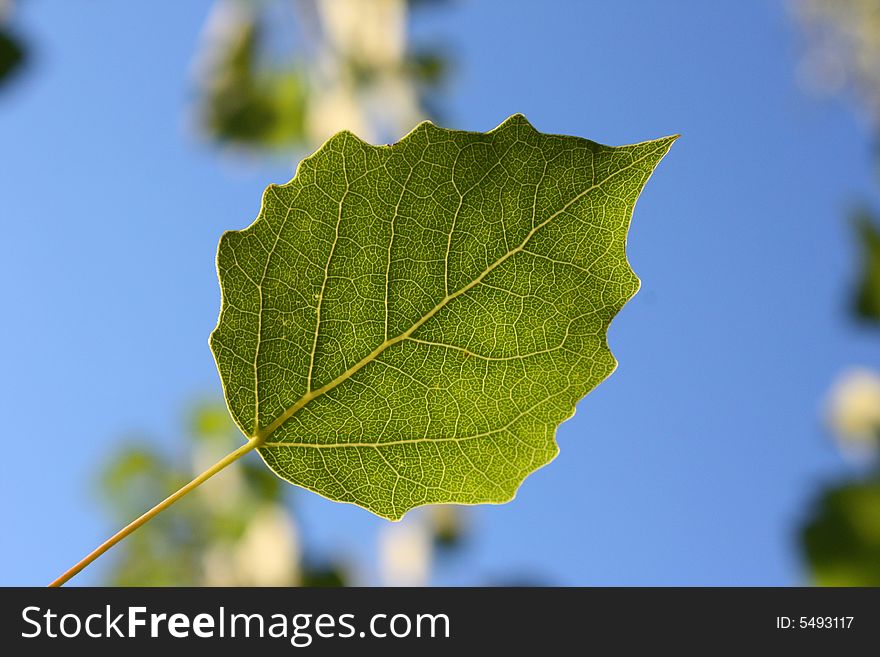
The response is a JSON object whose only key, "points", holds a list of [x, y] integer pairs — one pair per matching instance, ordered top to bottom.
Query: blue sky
{"points": [[692, 465]]}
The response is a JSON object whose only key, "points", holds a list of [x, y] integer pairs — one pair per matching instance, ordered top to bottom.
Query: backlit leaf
{"points": [[409, 324]]}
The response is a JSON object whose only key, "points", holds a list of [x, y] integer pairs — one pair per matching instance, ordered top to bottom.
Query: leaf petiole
{"points": [[230, 458]]}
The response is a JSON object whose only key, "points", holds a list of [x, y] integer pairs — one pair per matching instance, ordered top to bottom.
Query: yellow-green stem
{"points": [[252, 444]]}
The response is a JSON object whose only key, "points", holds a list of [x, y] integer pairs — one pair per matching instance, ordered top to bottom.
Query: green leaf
{"points": [[12, 55], [246, 103], [867, 296], [408, 324], [841, 539]]}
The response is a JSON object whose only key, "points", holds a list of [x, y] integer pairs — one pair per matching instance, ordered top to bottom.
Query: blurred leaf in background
{"points": [[12, 48], [11, 55], [276, 74], [244, 100], [866, 301], [842, 538]]}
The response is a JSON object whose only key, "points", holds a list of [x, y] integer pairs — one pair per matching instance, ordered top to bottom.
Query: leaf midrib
{"points": [[261, 436], [415, 441]]}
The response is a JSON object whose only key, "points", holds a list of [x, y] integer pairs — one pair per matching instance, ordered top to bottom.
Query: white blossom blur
{"points": [[854, 410], [405, 553]]}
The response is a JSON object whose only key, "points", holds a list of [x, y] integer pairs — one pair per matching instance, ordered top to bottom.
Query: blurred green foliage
{"points": [[12, 55], [274, 75], [245, 102], [866, 302], [842, 538]]}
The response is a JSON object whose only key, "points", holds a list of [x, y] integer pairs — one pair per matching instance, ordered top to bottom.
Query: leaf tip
{"points": [[669, 139]]}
